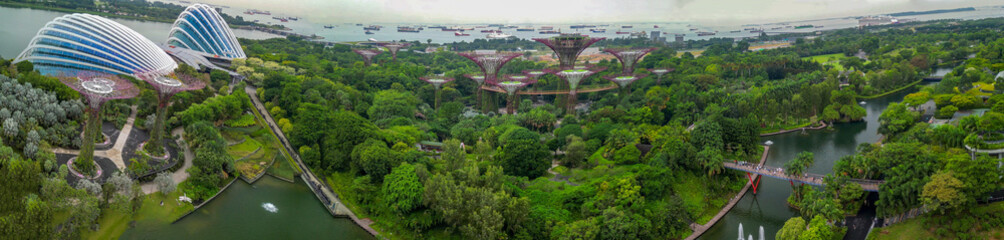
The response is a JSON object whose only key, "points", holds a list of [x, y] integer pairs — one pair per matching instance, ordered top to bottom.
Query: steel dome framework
{"points": [[201, 28], [84, 42]]}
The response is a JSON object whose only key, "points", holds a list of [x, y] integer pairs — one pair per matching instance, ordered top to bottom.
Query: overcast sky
{"points": [[709, 12]]}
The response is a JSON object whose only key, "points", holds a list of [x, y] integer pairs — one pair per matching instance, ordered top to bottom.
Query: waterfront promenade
{"points": [[700, 229]]}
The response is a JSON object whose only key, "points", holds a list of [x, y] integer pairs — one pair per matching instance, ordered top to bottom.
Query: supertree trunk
{"points": [[438, 93], [511, 104], [570, 104], [154, 146], [85, 161]]}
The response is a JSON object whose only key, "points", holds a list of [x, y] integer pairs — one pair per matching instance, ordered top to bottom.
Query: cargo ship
{"points": [[329, 26], [582, 26], [627, 26], [803, 26], [372, 28], [546, 28], [407, 29], [526, 29], [601, 30], [491, 31], [550, 32], [619, 32], [460, 34], [705, 34], [497, 35]]}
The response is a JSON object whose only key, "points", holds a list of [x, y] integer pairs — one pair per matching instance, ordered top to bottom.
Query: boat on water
{"points": [[293, 18], [359, 24], [495, 25], [329, 26], [582, 26], [627, 26], [655, 26], [803, 26], [819, 26], [372, 28], [546, 28], [407, 29], [526, 29], [693, 29], [600, 30], [491, 31], [735, 31], [756, 31], [368, 32], [550, 32], [619, 32], [705, 33], [460, 34], [497, 35], [372, 39]]}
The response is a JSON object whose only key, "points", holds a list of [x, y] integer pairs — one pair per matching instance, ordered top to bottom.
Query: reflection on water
{"points": [[270, 207]]}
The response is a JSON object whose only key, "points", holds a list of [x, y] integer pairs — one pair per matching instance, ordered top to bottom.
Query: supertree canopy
{"points": [[568, 46], [393, 47], [367, 54], [628, 56], [490, 64], [659, 72], [573, 76], [623, 80], [437, 82], [511, 84], [166, 87], [97, 88]]}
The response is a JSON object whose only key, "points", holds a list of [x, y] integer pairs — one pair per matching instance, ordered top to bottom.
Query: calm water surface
{"points": [[240, 213]]}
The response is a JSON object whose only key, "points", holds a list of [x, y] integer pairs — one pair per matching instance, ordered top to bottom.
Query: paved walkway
{"points": [[115, 153], [182, 173], [808, 178], [319, 187], [700, 229]]}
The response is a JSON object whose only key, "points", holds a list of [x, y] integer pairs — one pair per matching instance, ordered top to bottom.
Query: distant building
{"points": [[656, 36], [679, 38]]}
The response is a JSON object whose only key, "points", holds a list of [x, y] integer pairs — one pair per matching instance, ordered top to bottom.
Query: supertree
{"points": [[568, 46], [393, 47], [367, 55], [628, 56], [490, 64], [659, 72], [535, 74], [573, 76], [623, 80], [437, 82], [511, 85], [166, 87], [97, 88]]}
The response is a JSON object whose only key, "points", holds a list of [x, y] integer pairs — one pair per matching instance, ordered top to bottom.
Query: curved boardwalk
{"points": [[793, 130], [182, 173], [808, 178], [700, 229]]}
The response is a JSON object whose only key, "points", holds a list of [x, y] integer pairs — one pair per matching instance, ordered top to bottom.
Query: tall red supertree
{"points": [[568, 46], [393, 47], [367, 54], [628, 56], [490, 64], [659, 72], [573, 76], [437, 82], [511, 84], [167, 87], [97, 88]]}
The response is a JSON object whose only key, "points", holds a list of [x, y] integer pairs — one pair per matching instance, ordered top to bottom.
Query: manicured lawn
{"points": [[828, 59], [770, 129], [247, 147], [698, 199], [113, 223]]}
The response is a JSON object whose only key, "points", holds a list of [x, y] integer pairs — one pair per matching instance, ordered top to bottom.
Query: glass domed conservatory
{"points": [[202, 29], [87, 42]]}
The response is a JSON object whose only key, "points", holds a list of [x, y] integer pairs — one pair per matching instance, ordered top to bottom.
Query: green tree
{"points": [[402, 190], [944, 193], [791, 230]]}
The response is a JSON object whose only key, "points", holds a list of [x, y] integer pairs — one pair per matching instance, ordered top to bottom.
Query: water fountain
{"points": [[270, 207], [750, 237]]}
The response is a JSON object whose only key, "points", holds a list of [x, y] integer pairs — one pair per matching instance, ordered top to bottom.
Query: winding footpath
{"points": [[182, 173], [319, 187], [700, 229]]}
